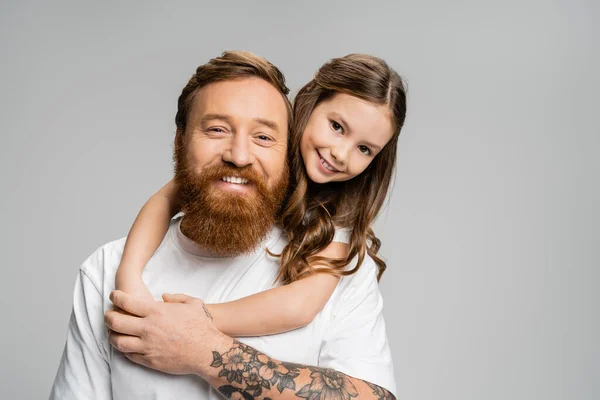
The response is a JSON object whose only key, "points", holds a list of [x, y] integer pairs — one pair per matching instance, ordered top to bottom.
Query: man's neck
{"points": [[198, 250]]}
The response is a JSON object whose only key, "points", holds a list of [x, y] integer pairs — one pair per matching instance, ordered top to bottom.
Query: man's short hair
{"points": [[229, 66]]}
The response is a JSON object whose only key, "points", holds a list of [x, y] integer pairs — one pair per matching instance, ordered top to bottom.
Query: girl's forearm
{"points": [[149, 229], [280, 309], [276, 310]]}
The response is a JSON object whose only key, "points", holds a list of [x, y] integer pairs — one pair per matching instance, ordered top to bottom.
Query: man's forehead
{"points": [[242, 96], [242, 101]]}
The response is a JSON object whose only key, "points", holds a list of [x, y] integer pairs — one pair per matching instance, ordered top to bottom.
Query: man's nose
{"points": [[239, 152]]}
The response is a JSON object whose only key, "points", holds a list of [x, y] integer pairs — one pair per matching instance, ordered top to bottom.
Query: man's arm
{"points": [[178, 337], [355, 342], [84, 372], [253, 375]]}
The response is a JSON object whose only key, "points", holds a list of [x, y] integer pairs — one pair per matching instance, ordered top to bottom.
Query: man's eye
{"points": [[337, 127], [216, 130], [264, 140], [365, 150]]}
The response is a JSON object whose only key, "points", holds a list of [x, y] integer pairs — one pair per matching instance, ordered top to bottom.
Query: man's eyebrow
{"points": [[222, 117], [268, 123]]}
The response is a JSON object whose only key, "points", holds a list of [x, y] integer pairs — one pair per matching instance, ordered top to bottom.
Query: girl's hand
{"points": [[133, 285]]}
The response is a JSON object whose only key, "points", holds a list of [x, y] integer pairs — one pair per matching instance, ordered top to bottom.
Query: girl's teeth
{"points": [[329, 167]]}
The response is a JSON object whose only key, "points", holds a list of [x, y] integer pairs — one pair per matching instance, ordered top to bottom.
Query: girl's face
{"points": [[343, 135]]}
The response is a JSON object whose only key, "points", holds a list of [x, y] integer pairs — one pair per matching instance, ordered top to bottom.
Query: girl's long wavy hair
{"points": [[313, 211]]}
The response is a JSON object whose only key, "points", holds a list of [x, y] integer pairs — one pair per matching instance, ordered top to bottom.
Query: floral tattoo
{"points": [[250, 372], [381, 393]]}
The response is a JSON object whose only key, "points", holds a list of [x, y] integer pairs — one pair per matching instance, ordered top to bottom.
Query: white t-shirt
{"points": [[342, 235], [348, 335]]}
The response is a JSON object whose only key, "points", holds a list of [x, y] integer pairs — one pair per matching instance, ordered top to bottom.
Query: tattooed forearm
{"points": [[206, 311], [248, 372], [250, 375], [327, 384], [381, 393]]}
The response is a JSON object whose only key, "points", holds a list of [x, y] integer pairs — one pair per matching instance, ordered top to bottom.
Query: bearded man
{"points": [[231, 170]]}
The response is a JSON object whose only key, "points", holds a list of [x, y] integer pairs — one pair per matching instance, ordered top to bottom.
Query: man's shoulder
{"points": [[103, 262], [367, 272], [360, 284]]}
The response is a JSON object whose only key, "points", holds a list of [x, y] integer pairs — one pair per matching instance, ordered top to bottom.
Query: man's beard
{"points": [[226, 224]]}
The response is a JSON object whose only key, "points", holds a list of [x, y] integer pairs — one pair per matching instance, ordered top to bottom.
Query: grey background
{"points": [[491, 234]]}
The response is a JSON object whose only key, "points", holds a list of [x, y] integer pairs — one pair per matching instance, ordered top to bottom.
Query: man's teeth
{"points": [[329, 167], [234, 179]]}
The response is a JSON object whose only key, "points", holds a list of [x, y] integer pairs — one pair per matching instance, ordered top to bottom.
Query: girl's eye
{"points": [[337, 127], [365, 150]]}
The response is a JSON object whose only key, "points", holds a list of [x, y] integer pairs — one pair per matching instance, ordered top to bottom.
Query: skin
{"points": [[242, 124], [347, 132], [178, 337]]}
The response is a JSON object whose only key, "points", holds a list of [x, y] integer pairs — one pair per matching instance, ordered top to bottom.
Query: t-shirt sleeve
{"points": [[342, 235], [355, 341], [84, 371]]}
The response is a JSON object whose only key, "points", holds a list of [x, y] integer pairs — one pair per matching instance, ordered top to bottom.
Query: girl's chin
{"points": [[316, 177]]}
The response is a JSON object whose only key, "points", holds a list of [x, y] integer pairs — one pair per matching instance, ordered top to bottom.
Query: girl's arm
{"points": [[146, 234], [280, 309]]}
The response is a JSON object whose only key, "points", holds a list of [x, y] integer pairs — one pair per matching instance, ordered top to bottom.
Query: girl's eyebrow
{"points": [[374, 146]]}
